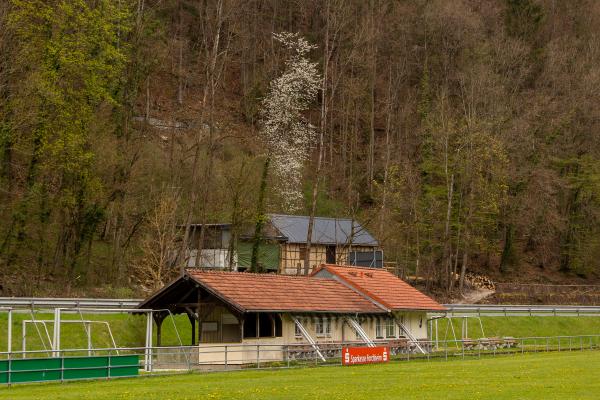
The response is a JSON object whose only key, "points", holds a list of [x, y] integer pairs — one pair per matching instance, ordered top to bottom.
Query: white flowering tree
{"points": [[285, 130]]}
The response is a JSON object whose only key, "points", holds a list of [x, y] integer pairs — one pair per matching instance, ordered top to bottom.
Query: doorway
{"points": [[330, 254]]}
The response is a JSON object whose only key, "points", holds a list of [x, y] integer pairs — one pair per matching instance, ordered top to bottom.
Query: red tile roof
{"points": [[383, 287], [270, 292]]}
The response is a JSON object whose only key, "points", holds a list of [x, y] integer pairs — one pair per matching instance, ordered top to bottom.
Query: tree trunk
{"points": [[209, 89], [317, 178], [260, 219], [463, 270]]}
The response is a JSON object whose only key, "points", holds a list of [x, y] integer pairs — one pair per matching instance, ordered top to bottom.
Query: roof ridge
{"points": [[316, 217], [358, 267], [270, 275]]}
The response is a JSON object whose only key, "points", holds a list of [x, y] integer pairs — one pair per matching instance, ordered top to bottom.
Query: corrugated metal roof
{"points": [[325, 230]]}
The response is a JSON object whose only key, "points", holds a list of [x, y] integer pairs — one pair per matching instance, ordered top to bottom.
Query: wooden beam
{"points": [[192, 305], [159, 317], [193, 323]]}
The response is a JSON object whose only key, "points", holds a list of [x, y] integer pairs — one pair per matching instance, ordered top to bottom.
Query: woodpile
{"points": [[479, 281]]}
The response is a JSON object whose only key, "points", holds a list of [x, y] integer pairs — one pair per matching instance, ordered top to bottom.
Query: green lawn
{"points": [[523, 327], [129, 330], [540, 376]]}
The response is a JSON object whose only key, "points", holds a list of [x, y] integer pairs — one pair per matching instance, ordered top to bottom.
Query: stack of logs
{"points": [[479, 281]]}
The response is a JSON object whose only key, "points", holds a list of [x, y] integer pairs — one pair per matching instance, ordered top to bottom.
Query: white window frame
{"points": [[323, 327], [390, 327], [379, 328]]}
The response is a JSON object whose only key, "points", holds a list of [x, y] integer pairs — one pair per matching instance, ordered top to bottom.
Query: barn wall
{"points": [[291, 256], [228, 329]]}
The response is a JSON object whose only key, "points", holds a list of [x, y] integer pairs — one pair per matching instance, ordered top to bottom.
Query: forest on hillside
{"points": [[464, 134]]}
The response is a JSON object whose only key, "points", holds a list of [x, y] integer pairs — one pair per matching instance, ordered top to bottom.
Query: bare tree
{"points": [[157, 266]]}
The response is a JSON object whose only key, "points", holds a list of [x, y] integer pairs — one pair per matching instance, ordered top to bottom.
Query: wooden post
{"points": [[158, 319], [193, 322]]}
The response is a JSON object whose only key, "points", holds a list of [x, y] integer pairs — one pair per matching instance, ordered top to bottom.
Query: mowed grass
{"points": [[521, 327], [129, 330], [571, 375]]}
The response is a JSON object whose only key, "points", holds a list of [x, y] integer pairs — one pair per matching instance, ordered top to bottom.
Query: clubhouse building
{"points": [[294, 316]]}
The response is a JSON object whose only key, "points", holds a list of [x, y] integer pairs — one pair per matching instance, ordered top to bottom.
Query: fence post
{"points": [[56, 333], [9, 338], [23, 338], [148, 349], [446, 349], [225, 356], [258, 356], [62, 368], [9, 370]]}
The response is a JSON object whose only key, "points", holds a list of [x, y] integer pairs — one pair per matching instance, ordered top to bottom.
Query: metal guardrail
{"points": [[49, 302], [453, 309], [520, 310], [225, 357]]}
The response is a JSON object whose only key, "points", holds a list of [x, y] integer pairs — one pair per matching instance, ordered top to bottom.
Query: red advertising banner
{"points": [[365, 355]]}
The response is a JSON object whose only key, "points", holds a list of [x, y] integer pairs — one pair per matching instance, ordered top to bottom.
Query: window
{"points": [[302, 251], [372, 259], [250, 325], [261, 325], [265, 325], [278, 325], [323, 326], [378, 328], [390, 328], [297, 331], [358, 337]]}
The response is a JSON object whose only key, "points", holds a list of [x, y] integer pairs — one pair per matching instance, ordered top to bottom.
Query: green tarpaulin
{"points": [[268, 255]]}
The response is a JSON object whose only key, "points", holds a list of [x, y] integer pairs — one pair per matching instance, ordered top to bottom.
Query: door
{"points": [[330, 254]]}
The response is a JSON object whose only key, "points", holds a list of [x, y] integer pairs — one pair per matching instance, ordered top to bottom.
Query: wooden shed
{"points": [[334, 241]]}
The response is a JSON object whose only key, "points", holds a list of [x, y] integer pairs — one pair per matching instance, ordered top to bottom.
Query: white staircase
{"points": [[360, 331], [410, 336], [308, 338]]}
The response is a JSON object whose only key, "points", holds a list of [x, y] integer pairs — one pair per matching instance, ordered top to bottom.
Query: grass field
{"points": [[129, 330], [540, 376]]}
